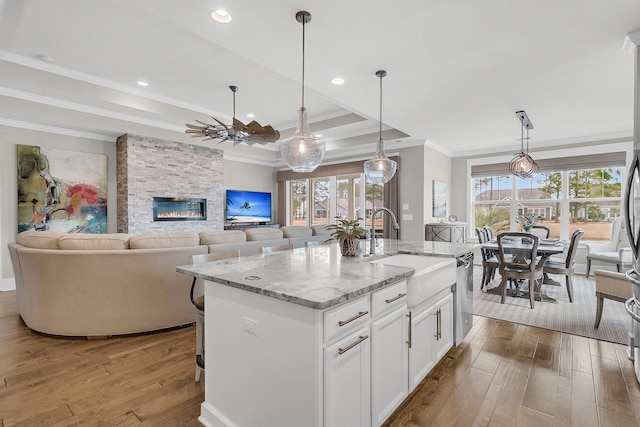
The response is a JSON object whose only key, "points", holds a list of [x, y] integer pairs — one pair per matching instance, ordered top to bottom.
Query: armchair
{"points": [[615, 251]]}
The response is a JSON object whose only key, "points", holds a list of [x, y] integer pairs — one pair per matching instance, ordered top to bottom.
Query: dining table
{"points": [[546, 248]]}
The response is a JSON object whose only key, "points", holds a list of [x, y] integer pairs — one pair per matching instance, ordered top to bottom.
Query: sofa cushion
{"points": [[320, 230], [293, 231], [257, 234], [222, 236], [39, 239], [174, 239], [78, 241]]}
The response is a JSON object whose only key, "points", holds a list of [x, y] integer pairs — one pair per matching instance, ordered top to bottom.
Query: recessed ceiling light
{"points": [[221, 16], [337, 80], [142, 83], [251, 115], [318, 135]]}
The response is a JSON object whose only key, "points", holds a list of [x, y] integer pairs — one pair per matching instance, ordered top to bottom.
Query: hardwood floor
{"points": [[503, 374]]}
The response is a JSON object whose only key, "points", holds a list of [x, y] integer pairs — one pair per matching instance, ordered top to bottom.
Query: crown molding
{"points": [[631, 41], [88, 78], [57, 130]]}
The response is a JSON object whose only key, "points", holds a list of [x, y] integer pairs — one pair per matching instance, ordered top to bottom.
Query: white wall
{"points": [[419, 166]]}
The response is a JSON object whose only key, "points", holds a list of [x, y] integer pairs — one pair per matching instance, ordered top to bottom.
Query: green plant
{"points": [[527, 221], [347, 229]]}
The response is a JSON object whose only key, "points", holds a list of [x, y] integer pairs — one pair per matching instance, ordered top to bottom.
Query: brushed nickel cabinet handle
{"points": [[389, 301], [357, 316], [439, 324], [409, 340], [350, 346]]}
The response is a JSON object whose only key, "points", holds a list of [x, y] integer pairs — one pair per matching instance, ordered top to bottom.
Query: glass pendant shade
{"points": [[303, 152], [380, 169]]}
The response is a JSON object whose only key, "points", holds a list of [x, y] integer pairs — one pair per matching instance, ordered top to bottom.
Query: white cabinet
{"points": [[443, 335], [430, 337], [389, 364], [347, 391]]}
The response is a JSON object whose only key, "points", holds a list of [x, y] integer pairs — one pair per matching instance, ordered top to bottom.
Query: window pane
{"points": [[595, 183], [546, 185], [492, 188], [298, 190], [374, 194], [348, 196], [320, 197], [492, 215], [595, 218]]}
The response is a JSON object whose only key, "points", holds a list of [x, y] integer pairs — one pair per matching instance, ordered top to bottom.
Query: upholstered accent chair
{"points": [[615, 251], [610, 285]]}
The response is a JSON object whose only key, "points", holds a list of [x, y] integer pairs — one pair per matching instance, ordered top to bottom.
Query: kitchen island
{"points": [[311, 338]]}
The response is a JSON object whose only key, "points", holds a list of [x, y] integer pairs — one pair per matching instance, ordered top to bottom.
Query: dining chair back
{"points": [[541, 231], [489, 232], [269, 249], [489, 260], [519, 261], [566, 266], [198, 303]]}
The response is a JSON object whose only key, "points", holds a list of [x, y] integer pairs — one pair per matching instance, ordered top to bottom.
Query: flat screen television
{"points": [[248, 207]]}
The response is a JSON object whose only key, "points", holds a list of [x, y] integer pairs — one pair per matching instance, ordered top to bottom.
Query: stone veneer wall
{"points": [[152, 167]]}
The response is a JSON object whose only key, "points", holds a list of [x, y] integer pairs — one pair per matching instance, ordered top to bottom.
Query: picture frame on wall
{"points": [[61, 190], [439, 198]]}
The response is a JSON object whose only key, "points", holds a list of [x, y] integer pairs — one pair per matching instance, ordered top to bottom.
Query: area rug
{"points": [[575, 318]]}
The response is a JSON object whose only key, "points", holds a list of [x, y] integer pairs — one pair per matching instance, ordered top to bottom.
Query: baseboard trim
{"points": [[8, 284]]}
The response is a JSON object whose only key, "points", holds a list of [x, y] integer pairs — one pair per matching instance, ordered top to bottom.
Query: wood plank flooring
{"points": [[503, 374]]}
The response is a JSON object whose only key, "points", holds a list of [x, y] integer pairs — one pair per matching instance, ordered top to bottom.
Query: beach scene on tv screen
{"points": [[248, 206]]}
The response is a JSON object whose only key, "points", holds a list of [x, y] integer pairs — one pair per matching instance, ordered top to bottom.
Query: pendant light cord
{"points": [[303, 42], [380, 124], [522, 137]]}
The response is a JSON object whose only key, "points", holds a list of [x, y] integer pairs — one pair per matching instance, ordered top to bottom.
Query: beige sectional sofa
{"points": [[113, 284]]}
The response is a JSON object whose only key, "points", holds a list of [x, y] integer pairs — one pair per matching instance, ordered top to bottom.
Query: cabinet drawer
{"points": [[389, 298], [346, 318]]}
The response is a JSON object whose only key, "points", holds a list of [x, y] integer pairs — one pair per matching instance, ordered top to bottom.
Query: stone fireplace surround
{"points": [[152, 167]]}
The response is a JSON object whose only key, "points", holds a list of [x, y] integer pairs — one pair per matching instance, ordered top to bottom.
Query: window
{"points": [[298, 197], [343, 200], [563, 201]]}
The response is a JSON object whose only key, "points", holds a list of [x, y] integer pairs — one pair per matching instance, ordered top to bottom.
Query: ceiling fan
{"points": [[238, 132]]}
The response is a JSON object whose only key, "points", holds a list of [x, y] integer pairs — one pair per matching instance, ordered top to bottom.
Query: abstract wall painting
{"points": [[61, 190], [439, 199]]}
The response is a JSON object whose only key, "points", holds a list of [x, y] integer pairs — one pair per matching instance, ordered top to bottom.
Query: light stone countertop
{"points": [[318, 277]]}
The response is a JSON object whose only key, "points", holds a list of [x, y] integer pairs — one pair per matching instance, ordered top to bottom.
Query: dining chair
{"points": [[541, 231], [489, 232], [269, 249], [489, 261], [519, 262], [566, 267], [612, 286], [198, 303]]}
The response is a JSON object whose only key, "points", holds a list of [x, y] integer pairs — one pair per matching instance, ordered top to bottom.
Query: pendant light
{"points": [[303, 152], [522, 165], [380, 169]]}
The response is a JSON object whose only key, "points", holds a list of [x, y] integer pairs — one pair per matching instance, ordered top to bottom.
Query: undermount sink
{"points": [[432, 274]]}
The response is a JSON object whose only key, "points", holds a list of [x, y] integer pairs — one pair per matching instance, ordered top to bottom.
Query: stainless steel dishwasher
{"points": [[463, 297]]}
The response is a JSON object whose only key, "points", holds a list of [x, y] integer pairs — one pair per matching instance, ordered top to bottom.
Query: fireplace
{"points": [[179, 209]]}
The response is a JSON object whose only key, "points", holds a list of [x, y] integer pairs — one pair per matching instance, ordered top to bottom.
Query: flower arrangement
{"points": [[527, 221]]}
